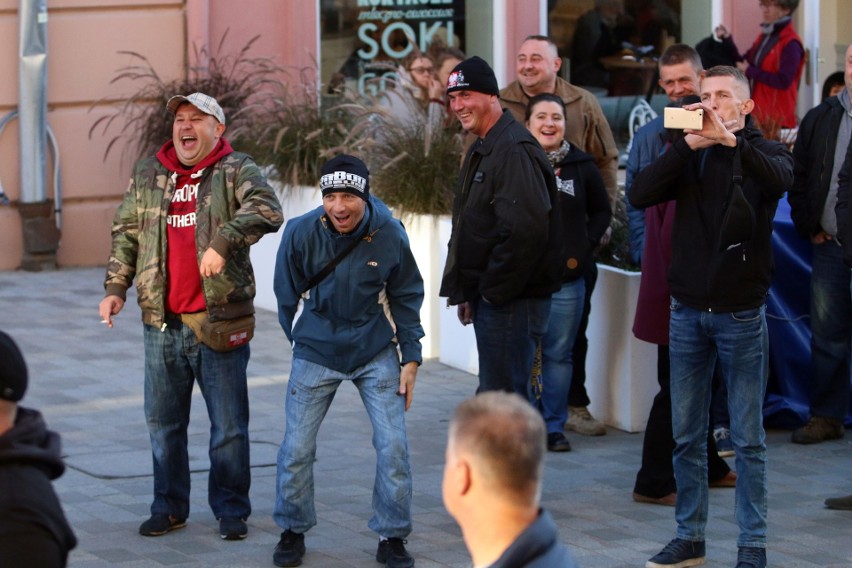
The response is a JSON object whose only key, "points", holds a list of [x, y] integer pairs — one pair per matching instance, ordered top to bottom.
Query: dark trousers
{"points": [[656, 476]]}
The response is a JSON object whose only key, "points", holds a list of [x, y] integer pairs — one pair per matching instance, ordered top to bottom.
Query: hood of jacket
{"points": [[29, 442]]}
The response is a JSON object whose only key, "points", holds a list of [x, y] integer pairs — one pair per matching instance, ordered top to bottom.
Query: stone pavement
{"points": [[87, 380]]}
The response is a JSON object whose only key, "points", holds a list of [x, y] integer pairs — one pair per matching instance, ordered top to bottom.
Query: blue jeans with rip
{"points": [[831, 327], [507, 336], [740, 343], [174, 361], [557, 368], [310, 390]]}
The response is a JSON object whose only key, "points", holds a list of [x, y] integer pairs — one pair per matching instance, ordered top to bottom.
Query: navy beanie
{"points": [[473, 74], [347, 174]]}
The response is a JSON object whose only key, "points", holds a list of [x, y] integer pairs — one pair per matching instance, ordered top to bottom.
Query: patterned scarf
{"points": [[557, 156]]}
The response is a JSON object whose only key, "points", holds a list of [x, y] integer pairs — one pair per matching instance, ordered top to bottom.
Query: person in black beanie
{"points": [[504, 260], [349, 264], [33, 528]]}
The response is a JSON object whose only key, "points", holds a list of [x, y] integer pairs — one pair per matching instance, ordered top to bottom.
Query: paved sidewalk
{"points": [[87, 380]]}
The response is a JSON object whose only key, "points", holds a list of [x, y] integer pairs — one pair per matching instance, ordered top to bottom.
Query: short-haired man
{"points": [[537, 65], [680, 75], [818, 156], [726, 179], [183, 231], [504, 260], [350, 265], [492, 484], [33, 528]]}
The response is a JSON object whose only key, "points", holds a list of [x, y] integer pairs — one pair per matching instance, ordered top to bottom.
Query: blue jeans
{"points": [[831, 327], [507, 336], [739, 342], [174, 360], [557, 368], [310, 390]]}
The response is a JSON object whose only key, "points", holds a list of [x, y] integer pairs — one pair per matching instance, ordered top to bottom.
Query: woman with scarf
{"points": [[586, 214]]}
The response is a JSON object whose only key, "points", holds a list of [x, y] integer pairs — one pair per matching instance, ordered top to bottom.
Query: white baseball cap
{"points": [[204, 103]]}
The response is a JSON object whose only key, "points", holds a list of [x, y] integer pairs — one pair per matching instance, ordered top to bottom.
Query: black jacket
{"points": [[813, 162], [843, 209], [585, 211], [505, 238], [701, 276], [33, 528]]}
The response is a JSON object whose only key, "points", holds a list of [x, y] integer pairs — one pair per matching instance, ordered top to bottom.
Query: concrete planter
{"points": [[621, 370]]}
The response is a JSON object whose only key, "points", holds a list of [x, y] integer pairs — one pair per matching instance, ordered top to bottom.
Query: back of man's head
{"points": [[681, 53], [504, 438]]}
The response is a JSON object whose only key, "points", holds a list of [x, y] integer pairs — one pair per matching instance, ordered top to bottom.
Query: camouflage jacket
{"points": [[235, 208]]}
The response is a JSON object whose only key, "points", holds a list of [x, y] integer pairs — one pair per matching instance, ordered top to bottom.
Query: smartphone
{"points": [[681, 118]]}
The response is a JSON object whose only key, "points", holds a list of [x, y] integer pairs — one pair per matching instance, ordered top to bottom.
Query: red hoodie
{"points": [[183, 277]]}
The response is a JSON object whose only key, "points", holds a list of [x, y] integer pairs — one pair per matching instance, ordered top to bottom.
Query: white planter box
{"points": [[457, 342], [621, 371]]}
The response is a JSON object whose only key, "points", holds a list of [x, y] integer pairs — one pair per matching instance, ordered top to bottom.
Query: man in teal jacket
{"points": [[358, 323]]}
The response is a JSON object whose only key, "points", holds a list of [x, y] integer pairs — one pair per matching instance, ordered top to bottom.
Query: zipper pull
{"points": [[163, 327]]}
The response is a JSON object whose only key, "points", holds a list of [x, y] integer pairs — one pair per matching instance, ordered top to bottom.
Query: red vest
{"points": [[771, 104]]}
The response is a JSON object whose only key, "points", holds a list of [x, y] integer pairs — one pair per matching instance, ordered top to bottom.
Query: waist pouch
{"points": [[224, 335]]}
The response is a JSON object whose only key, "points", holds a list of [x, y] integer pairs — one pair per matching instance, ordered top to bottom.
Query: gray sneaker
{"points": [[581, 421], [751, 557]]}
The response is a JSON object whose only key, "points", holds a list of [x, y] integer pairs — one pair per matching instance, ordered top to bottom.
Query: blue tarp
{"points": [[788, 320]]}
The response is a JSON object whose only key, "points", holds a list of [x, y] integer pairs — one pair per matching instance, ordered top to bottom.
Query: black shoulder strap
{"points": [[318, 277]]}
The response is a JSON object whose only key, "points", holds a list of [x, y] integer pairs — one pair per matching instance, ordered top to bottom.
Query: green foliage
{"points": [[230, 78], [291, 127], [617, 252]]}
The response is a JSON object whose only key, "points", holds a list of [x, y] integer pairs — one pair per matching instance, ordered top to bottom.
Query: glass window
{"points": [[363, 41]]}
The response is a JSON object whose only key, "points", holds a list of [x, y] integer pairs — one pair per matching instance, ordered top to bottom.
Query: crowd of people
{"points": [[536, 190]]}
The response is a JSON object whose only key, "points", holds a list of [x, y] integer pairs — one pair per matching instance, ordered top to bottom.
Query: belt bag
{"points": [[224, 335]]}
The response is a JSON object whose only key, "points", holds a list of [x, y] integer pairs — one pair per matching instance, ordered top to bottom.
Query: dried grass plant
{"points": [[145, 124], [413, 161]]}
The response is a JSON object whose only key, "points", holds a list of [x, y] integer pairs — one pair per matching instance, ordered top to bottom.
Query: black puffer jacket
{"points": [[813, 156], [505, 239], [701, 276]]}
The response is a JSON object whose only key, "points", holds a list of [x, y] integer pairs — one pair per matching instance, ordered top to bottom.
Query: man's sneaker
{"points": [[582, 422], [819, 429], [557, 442], [724, 445], [840, 503], [160, 524], [232, 528], [290, 549], [392, 553], [679, 553], [751, 557]]}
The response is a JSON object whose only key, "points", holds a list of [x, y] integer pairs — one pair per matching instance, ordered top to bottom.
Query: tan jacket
{"points": [[586, 126]]}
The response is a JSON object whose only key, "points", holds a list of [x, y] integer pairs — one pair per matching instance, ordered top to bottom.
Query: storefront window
{"points": [[364, 41]]}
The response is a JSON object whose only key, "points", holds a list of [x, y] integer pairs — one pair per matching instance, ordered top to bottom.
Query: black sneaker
{"points": [[557, 442], [160, 524], [232, 528], [290, 549], [392, 553], [679, 553], [751, 557]]}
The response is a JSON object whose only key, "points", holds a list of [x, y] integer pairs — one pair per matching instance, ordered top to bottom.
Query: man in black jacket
{"points": [[818, 154], [503, 262], [719, 277], [33, 528]]}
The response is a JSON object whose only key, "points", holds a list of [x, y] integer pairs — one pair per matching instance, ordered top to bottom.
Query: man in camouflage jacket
{"points": [[183, 231]]}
